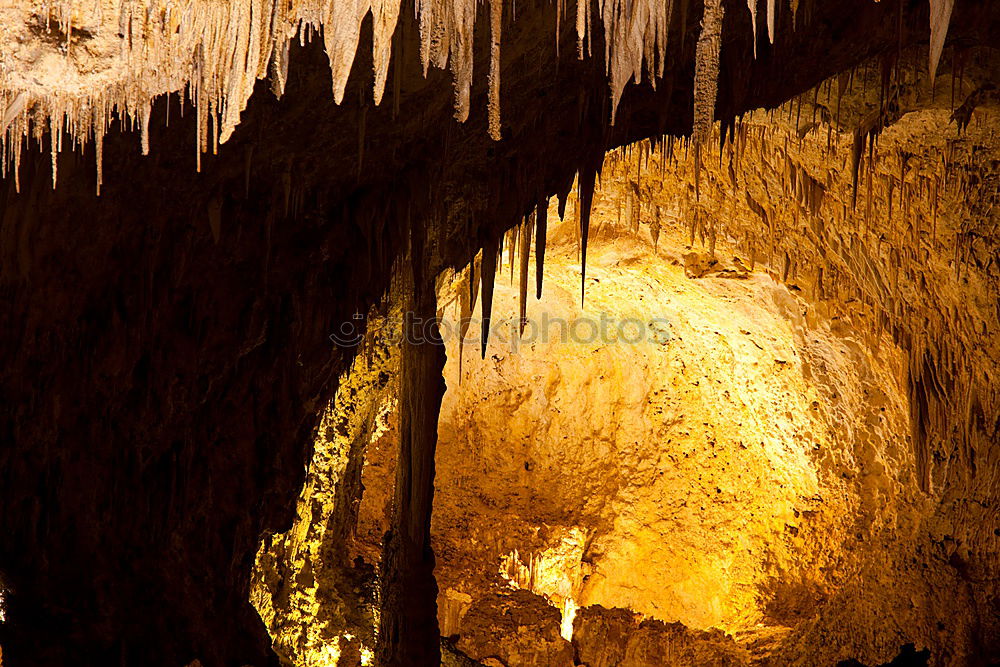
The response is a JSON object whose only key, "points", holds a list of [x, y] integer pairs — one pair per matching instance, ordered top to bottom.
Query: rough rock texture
{"points": [[912, 259], [164, 351], [691, 477], [694, 478], [313, 600], [518, 628], [601, 635], [615, 637]]}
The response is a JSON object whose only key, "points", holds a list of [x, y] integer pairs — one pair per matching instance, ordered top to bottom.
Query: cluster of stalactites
{"points": [[210, 52], [215, 52], [481, 273]]}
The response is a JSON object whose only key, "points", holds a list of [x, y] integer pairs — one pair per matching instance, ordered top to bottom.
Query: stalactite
{"points": [[385, 14], [684, 15], [940, 18], [770, 20], [496, 25], [634, 32], [217, 51], [706, 73], [54, 132], [99, 161], [697, 172], [587, 178], [541, 220], [654, 230], [512, 246], [525, 250], [477, 270], [489, 275], [464, 314]]}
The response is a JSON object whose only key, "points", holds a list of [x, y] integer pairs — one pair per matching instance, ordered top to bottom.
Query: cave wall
{"points": [[907, 263], [164, 346], [691, 476]]}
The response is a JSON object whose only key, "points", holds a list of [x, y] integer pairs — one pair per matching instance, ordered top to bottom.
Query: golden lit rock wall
{"points": [[914, 261], [707, 479], [319, 607]]}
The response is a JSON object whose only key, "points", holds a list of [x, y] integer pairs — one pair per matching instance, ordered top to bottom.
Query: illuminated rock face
{"points": [[897, 262], [705, 476], [691, 477], [316, 604], [520, 628], [614, 637]]}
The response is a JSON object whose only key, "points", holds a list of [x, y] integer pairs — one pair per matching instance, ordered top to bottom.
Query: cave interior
{"points": [[619, 333]]}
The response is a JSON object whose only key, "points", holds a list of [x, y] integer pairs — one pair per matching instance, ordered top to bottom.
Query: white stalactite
{"points": [[940, 19], [770, 20], [496, 26], [216, 51]]}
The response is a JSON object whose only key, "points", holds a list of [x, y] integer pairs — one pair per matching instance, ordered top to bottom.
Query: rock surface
{"points": [[519, 628], [615, 637]]}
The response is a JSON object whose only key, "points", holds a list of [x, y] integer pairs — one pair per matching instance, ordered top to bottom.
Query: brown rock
{"points": [[518, 629], [600, 635]]}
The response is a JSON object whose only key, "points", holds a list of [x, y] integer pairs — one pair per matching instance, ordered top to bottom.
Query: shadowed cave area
{"points": [[659, 332]]}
